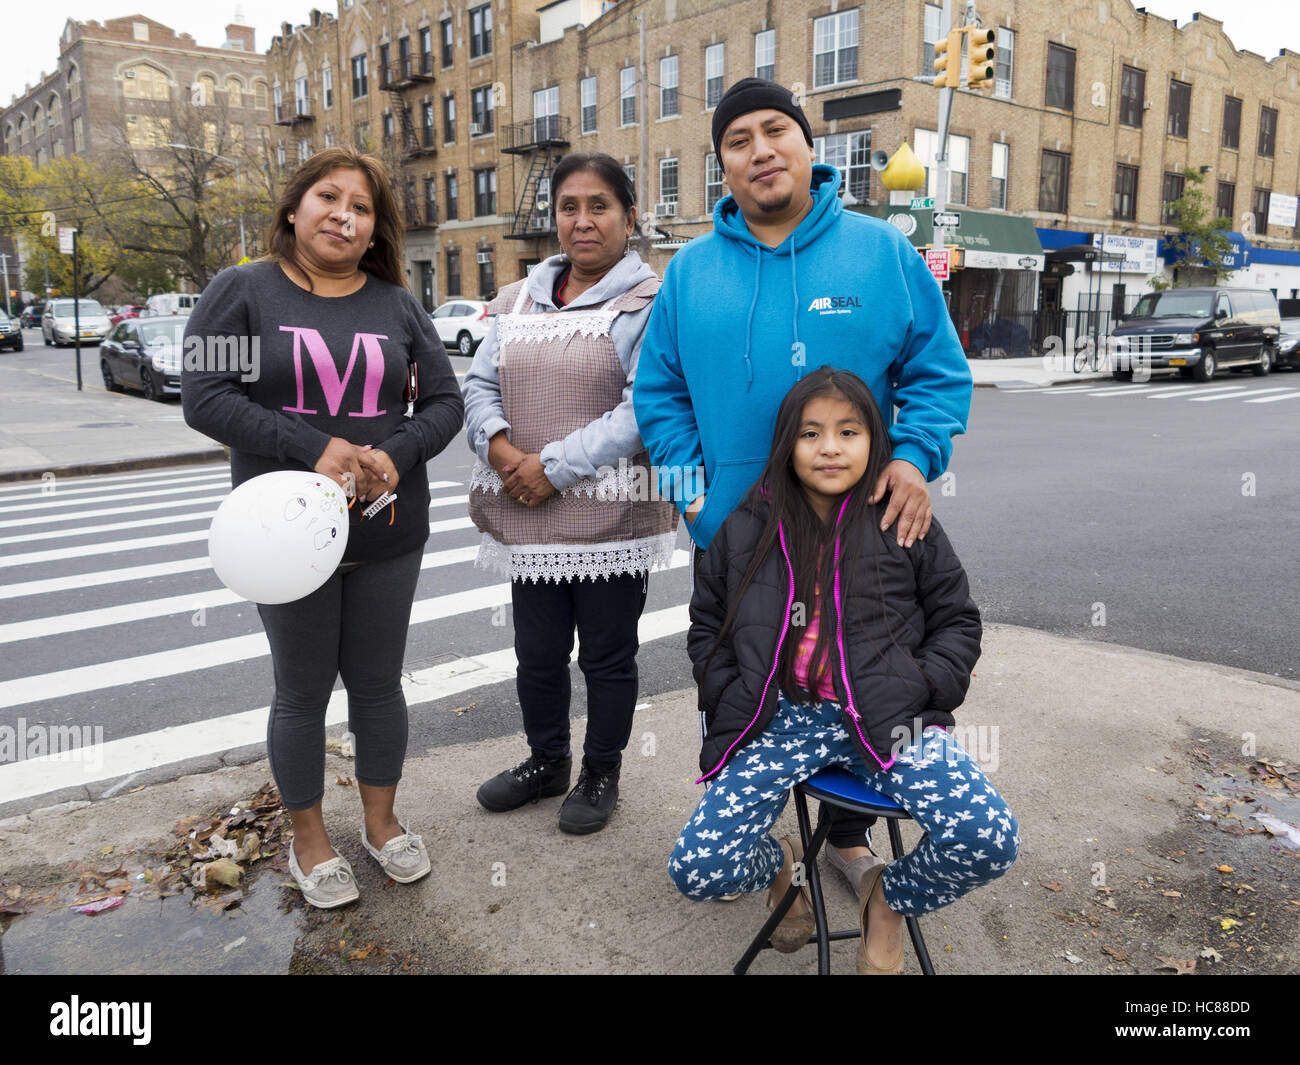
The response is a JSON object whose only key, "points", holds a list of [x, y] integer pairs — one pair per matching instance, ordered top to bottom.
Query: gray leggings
{"points": [[355, 625]]}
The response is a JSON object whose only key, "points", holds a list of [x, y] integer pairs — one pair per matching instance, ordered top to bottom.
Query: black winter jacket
{"points": [[934, 621]]}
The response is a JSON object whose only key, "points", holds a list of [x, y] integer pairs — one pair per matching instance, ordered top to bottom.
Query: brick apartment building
{"points": [[116, 78], [134, 83], [425, 86], [1096, 110]]}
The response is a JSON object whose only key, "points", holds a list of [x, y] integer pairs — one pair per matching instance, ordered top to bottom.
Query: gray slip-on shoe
{"points": [[403, 857], [329, 884]]}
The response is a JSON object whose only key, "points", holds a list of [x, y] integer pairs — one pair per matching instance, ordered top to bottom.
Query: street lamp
{"points": [[239, 181]]}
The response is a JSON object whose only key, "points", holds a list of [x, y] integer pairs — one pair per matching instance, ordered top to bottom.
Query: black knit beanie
{"points": [[755, 94]]}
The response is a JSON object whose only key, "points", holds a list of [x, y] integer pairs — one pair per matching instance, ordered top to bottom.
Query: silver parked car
{"points": [[59, 324]]}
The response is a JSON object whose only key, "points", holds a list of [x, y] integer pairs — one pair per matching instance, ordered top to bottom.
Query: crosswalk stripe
{"points": [[1066, 389], [1118, 390], [1174, 391], [1234, 392], [1254, 392], [1275, 399], [105, 481], [191, 481], [52, 500], [92, 515], [171, 519], [145, 542], [85, 550], [51, 585], [56, 624], [82, 679], [150, 750]]}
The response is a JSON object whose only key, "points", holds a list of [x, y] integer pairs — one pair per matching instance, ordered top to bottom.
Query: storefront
{"points": [[992, 292]]}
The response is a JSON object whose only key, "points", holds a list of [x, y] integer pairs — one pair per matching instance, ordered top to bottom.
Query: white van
{"points": [[166, 303]]}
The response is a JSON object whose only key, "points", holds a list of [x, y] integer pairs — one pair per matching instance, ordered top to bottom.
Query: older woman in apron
{"points": [[562, 490]]}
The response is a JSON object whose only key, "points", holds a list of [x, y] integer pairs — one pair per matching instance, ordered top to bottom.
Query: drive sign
{"points": [[937, 260]]}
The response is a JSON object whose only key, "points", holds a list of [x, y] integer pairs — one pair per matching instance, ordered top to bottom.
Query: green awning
{"points": [[991, 241]]}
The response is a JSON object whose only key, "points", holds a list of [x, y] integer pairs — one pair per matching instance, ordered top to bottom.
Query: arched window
{"points": [[74, 83], [209, 86], [235, 91], [259, 94], [55, 110], [38, 121], [22, 131], [9, 139], [41, 158]]}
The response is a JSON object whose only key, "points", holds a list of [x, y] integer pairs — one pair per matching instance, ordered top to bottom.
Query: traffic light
{"points": [[983, 56], [947, 61]]}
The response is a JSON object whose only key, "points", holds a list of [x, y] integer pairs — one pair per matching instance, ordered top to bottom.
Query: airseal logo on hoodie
{"points": [[834, 304]]}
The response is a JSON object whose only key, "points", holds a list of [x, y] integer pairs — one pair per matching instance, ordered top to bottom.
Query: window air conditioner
{"points": [[475, 129], [666, 210], [483, 257]]}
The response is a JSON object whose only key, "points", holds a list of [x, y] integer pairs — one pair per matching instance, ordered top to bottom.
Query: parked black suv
{"points": [[1198, 331]]}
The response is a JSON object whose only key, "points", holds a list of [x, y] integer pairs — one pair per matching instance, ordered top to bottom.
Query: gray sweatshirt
{"points": [[327, 366]]}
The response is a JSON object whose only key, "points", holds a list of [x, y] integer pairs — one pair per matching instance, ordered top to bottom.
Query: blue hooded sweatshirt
{"points": [[737, 323]]}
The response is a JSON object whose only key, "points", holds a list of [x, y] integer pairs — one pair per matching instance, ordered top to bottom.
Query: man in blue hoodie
{"points": [[786, 282], [800, 284]]}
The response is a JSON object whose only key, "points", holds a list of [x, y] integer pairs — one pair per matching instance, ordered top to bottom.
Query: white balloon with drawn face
{"points": [[280, 536]]}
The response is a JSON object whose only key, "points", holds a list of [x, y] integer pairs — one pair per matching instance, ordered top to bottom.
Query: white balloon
{"points": [[280, 536]]}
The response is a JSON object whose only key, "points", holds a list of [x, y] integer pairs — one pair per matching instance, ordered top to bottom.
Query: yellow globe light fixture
{"points": [[904, 171]]}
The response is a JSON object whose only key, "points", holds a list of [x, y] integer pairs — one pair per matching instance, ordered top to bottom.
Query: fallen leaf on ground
{"points": [[344, 781], [1225, 869], [223, 871], [1051, 885], [14, 891], [1172, 894], [1109, 903], [99, 906], [1228, 924], [1115, 953], [1210, 954], [1073, 959], [1181, 966]]}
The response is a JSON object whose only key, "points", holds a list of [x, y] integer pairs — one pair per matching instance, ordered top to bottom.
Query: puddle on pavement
{"points": [[1239, 802], [164, 936]]}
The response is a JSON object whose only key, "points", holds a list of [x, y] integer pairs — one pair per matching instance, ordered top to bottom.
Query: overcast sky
{"points": [[31, 29]]}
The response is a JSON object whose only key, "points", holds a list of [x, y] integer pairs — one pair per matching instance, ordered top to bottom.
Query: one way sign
{"points": [[947, 219]]}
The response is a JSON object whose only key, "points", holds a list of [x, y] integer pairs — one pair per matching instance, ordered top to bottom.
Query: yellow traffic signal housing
{"points": [[983, 56], [947, 61]]}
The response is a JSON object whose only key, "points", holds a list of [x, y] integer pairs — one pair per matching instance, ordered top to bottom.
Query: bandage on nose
{"points": [[349, 224]]}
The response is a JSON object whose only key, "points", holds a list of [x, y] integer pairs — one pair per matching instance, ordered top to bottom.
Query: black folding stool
{"points": [[838, 787]]}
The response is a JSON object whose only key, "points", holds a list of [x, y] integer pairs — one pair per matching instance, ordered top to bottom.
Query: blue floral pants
{"points": [[725, 848]]}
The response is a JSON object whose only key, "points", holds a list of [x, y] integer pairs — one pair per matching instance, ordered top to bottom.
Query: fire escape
{"points": [[542, 140], [409, 142]]}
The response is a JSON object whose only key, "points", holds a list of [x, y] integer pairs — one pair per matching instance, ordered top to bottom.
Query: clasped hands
{"points": [[370, 470], [521, 473]]}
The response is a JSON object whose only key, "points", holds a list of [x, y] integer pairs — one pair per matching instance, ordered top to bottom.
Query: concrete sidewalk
{"points": [[47, 426], [1125, 770]]}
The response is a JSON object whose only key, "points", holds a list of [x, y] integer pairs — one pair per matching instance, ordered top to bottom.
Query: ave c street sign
{"points": [[922, 203], [947, 219]]}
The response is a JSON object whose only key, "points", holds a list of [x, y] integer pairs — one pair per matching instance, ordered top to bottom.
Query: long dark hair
{"points": [[384, 260], [812, 543]]}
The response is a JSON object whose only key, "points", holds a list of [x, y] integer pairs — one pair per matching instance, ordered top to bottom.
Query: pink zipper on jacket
{"points": [[789, 605], [849, 708]]}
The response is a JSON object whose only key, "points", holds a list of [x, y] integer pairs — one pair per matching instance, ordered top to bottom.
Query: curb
{"points": [[144, 462]]}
